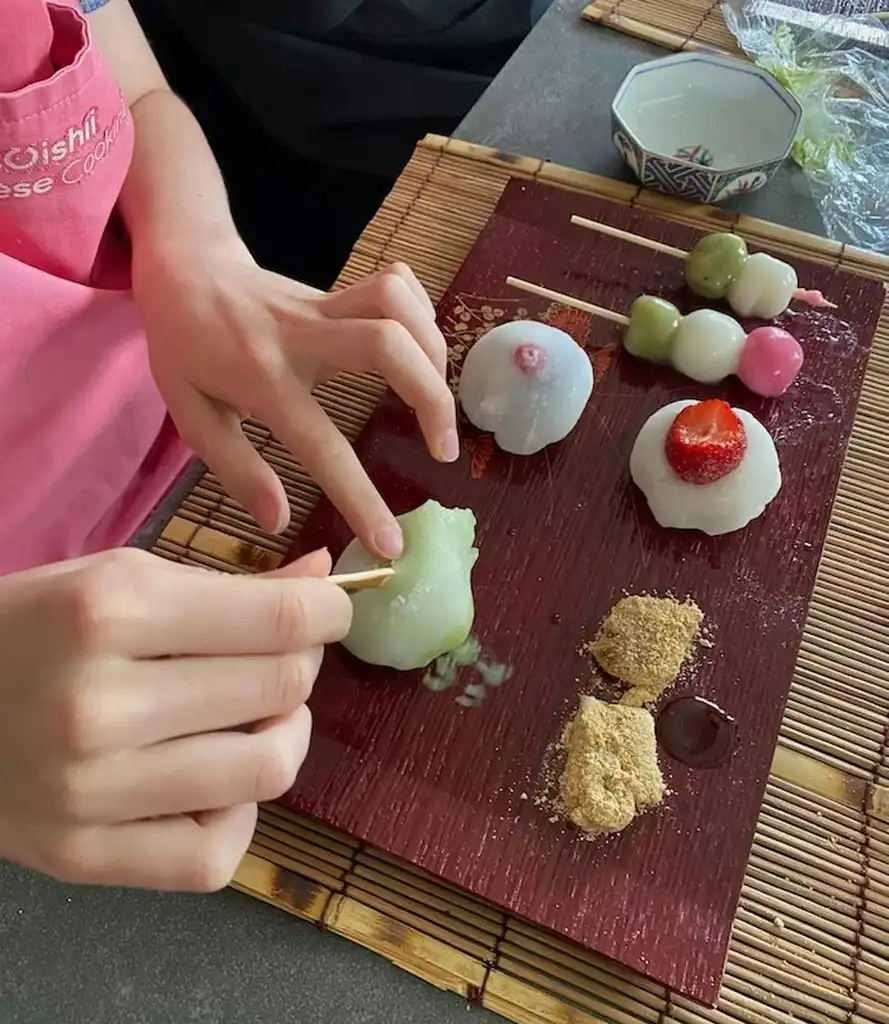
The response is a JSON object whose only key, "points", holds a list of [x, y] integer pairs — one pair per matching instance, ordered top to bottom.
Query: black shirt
{"points": [[355, 83]]}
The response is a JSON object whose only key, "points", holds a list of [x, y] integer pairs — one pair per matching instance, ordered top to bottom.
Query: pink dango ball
{"points": [[770, 361]]}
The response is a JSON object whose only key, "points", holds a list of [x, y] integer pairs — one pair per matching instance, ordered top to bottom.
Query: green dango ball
{"points": [[714, 263], [653, 323]]}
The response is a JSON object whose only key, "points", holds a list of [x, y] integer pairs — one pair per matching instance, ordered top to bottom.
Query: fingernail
{"points": [[450, 446], [271, 516], [270, 521], [389, 541], [314, 557]]}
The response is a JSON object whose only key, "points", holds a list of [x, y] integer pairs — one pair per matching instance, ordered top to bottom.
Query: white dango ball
{"points": [[763, 287], [707, 346], [526, 383], [716, 508], [426, 609]]}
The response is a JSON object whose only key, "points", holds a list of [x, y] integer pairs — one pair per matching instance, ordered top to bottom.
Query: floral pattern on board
{"points": [[470, 317], [572, 321], [602, 360], [480, 449]]}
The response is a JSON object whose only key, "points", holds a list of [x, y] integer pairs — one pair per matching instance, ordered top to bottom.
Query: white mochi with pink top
{"points": [[526, 383]]}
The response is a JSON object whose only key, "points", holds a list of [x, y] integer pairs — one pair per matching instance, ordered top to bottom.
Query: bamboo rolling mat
{"points": [[673, 24], [680, 24], [811, 937]]}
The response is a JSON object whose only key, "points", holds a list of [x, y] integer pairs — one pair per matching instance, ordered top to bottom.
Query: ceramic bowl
{"points": [[702, 126]]}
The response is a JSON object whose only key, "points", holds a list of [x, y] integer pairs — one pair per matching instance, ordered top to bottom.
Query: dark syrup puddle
{"points": [[696, 732]]}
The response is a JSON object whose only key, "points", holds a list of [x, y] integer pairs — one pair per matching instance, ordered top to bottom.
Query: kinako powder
{"points": [[644, 642], [611, 770]]}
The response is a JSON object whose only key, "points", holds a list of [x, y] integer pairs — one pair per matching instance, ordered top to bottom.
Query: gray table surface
{"points": [[91, 956]]}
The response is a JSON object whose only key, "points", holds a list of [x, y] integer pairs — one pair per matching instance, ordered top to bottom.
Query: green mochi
{"points": [[714, 263], [653, 324], [426, 609]]}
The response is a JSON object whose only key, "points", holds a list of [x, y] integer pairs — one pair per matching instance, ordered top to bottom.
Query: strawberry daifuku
{"points": [[705, 466]]}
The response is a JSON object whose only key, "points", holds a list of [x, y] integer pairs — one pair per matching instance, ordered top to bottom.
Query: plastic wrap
{"points": [[834, 57]]}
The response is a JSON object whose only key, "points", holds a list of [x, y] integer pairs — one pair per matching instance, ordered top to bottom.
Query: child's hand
{"points": [[228, 339], [146, 707]]}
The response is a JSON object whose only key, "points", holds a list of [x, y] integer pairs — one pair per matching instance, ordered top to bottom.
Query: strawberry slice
{"points": [[706, 442]]}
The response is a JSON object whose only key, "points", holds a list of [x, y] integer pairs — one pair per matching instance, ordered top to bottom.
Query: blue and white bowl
{"points": [[703, 127]]}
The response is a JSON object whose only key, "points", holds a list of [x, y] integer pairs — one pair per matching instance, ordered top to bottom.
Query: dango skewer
{"points": [[720, 267], [705, 345]]}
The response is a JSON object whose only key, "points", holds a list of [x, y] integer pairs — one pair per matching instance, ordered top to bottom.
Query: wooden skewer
{"points": [[628, 236], [667, 250], [568, 300], [366, 580]]}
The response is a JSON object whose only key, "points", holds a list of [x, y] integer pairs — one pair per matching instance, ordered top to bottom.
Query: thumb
{"points": [[214, 432]]}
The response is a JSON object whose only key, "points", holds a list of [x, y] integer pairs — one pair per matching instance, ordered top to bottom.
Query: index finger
{"points": [[299, 422], [210, 615]]}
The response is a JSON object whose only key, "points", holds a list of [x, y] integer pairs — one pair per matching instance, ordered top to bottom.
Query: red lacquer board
{"points": [[563, 534]]}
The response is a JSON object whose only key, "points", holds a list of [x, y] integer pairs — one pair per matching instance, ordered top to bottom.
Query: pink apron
{"points": [[86, 447]]}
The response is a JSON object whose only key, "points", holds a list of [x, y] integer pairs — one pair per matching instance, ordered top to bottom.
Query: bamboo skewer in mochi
{"points": [[720, 266], [705, 345], [366, 580]]}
